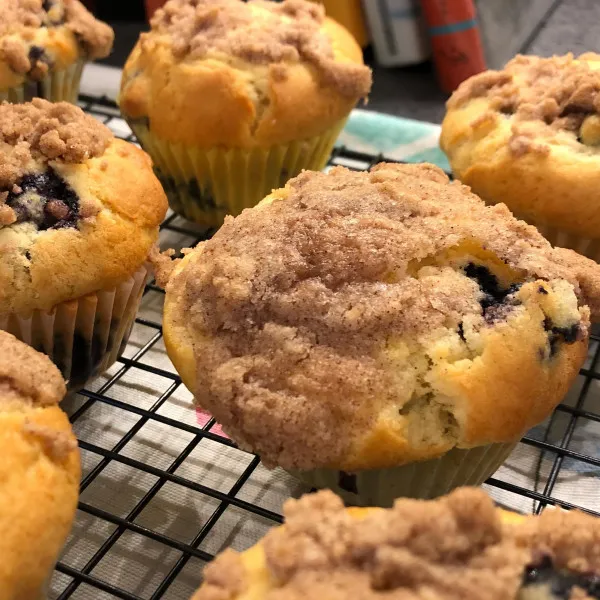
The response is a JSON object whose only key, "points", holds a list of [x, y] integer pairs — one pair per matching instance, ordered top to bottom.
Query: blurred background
{"points": [[421, 49]]}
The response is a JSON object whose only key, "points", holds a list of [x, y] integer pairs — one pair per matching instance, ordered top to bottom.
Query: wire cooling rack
{"points": [[164, 490]]}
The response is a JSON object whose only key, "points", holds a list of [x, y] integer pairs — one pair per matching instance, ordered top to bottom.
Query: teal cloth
{"points": [[394, 137]]}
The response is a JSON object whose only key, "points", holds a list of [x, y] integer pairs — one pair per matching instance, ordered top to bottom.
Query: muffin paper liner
{"points": [[58, 86], [206, 185], [586, 246], [85, 336], [427, 479]]}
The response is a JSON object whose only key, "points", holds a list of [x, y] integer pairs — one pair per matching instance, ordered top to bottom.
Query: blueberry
{"points": [[36, 55], [45, 200], [495, 302], [558, 335], [559, 582]]}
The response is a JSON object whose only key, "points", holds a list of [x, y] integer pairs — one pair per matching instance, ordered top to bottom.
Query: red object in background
{"points": [[152, 5], [455, 40]]}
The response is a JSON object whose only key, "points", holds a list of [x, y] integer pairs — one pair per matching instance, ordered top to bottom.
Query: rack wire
{"points": [[200, 505]]}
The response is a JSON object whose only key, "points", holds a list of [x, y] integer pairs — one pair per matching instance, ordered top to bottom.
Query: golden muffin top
{"points": [[19, 20], [259, 32], [233, 74], [543, 96], [79, 209], [360, 320], [39, 471], [459, 547]]}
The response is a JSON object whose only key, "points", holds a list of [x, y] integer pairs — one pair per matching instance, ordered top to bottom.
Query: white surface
{"points": [[100, 80]]}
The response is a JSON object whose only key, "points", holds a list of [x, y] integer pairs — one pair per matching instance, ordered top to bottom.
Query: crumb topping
{"points": [[21, 16], [260, 32], [560, 93], [39, 132], [163, 265], [300, 302], [29, 375], [58, 444], [456, 548]]}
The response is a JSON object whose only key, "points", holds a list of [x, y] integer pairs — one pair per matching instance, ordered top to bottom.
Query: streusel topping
{"points": [[22, 16], [259, 32], [557, 93], [36, 133], [298, 301], [27, 375], [456, 548]]}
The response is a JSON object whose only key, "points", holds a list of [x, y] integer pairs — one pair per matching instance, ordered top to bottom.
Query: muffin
{"points": [[44, 45], [231, 99], [528, 136], [79, 213], [381, 334], [39, 470], [459, 547]]}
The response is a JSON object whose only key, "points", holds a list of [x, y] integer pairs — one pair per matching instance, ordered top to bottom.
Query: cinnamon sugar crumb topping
{"points": [[18, 16], [260, 32], [558, 93], [40, 132], [297, 301], [29, 374], [58, 444], [456, 548]]}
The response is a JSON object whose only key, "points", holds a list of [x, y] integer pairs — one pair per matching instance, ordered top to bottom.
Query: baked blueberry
{"points": [[45, 200], [544, 581]]}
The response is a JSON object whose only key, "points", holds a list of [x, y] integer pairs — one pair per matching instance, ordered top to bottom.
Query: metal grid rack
{"points": [[550, 447]]}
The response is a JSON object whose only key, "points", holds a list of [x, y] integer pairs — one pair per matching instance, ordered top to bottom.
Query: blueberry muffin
{"points": [[44, 45], [233, 98], [528, 136], [79, 213], [380, 333], [39, 470], [460, 547]]}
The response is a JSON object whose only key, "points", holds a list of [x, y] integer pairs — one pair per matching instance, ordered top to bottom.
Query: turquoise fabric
{"points": [[394, 137]]}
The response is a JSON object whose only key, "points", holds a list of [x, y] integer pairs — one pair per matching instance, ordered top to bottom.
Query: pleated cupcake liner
{"points": [[58, 86], [206, 185], [589, 247], [85, 336], [423, 480]]}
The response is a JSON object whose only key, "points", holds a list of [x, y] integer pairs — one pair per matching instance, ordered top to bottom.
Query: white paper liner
{"points": [[58, 86], [587, 246], [84, 337], [426, 479]]}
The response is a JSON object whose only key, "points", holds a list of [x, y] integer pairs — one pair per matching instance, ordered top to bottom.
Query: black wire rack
{"points": [[200, 506]]}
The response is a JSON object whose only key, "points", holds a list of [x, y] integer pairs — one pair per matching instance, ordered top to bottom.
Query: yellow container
{"points": [[350, 14]]}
